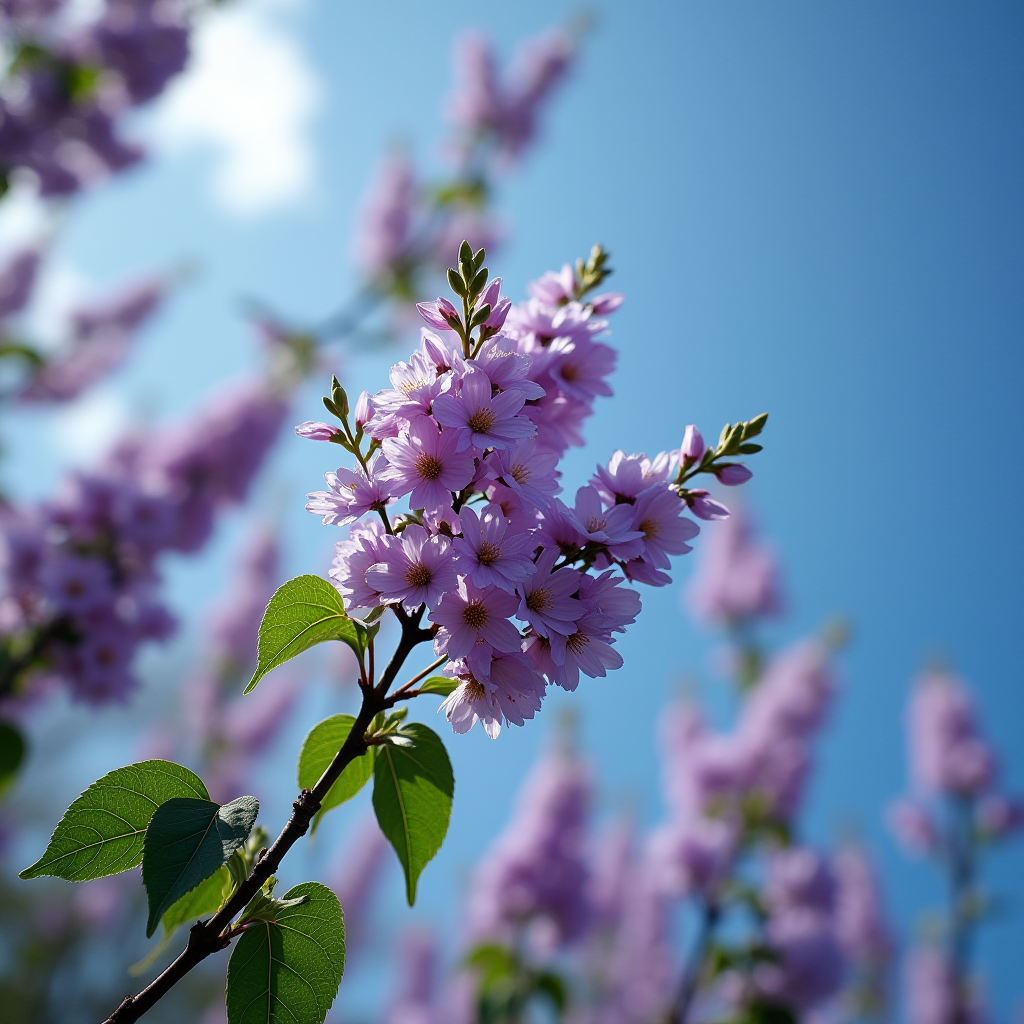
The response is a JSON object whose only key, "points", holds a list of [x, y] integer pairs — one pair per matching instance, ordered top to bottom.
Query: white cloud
{"points": [[250, 95], [83, 431]]}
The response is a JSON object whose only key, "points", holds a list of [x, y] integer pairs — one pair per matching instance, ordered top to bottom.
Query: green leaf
{"points": [[304, 612], [441, 685], [318, 751], [12, 753], [412, 797], [102, 832], [186, 842], [206, 898], [492, 962], [288, 971], [551, 985]]}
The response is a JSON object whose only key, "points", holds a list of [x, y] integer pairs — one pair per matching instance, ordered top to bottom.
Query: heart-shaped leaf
{"points": [[304, 612], [318, 751], [412, 797], [102, 832], [186, 842], [289, 969]]}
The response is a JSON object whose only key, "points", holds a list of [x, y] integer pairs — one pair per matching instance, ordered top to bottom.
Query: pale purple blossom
{"points": [[479, 420], [317, 430], [428, 464], [626, 476], [351, 494], [489, 552], [415, 569], [546, 597], [474, 623], [509, 691]]}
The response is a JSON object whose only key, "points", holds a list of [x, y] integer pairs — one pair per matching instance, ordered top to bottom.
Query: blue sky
{"points": [[814, 210]]}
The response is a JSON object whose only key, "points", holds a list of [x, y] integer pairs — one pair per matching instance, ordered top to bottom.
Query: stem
{"points": [[404, 689], [961, 871], [210, 936], [691, 973]]}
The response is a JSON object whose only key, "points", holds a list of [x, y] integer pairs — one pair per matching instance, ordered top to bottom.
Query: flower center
{"points": [[570, 372], [408, 386], [481, 421], [428, 466], [520, 473], [595, 525], [650, 528], [489, 553], [418, 575], [74, 588], [538, 600], [474, 615], [578, 642], [474, 689]]}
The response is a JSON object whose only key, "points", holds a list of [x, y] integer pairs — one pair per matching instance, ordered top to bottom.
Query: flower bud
{"points": [[492, 293], [441, 315], [364, 409], [316, 431], [693, 445], [733, 475], [703, 506]]}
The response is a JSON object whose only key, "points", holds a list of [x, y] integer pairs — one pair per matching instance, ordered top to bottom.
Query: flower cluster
{"points": [[67, 85], [80, 570], [522, 589], [951, 763]]}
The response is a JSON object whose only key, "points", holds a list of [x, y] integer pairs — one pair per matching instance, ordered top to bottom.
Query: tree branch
{"points": [[210, 936]]}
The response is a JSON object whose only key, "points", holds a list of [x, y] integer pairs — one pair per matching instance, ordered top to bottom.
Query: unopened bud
{"points": [[364, 409], [316, 430], [693, 445], [733, 474]]}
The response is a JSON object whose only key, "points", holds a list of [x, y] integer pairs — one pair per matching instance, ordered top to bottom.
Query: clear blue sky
{"points": [[815, 210]]}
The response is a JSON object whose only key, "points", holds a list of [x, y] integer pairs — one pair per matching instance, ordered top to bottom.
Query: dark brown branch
{"points": [[207, 937]]}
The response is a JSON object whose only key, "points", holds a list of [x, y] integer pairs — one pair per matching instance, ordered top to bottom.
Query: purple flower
{"points": [[384, 235], [17, 276], [554, 288], [607, 303], [580, 367], [507, 369], [414, 387], [479, 420], [316, 430], [428, 464], [529, 470], [626, 476], [351, 494], [657, 516], [612, 527], [364, 548], [488, 553], [416, 569], [737, 576], [76, 584], [547, 602], [609, 603], [473, 623], [588, 650], [510, 691], [997, 817], [911, 824], [692, 857], [799, 877], [533, 881], [860, 922], [810, 967], [933, 992]]}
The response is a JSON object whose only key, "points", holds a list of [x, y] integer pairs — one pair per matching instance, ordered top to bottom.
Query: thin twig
{"points": [[207, 937]]}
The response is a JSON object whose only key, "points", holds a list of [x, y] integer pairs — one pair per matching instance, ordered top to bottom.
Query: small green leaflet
{"points": [[304, 612], [439, 684], [318, 750], [12, 753], [412, 797], [102, 832], [186, 842], [206, 898], [289, 970]]}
